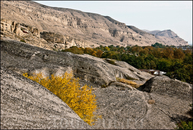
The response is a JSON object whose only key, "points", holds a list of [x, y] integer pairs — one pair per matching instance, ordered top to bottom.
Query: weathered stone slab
{"points": [[27, 105]]}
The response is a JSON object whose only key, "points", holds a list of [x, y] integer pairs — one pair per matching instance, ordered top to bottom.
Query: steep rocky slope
{"points": [[76, 27], [158, 104]]}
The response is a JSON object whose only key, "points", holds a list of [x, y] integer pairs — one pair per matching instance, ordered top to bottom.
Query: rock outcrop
{"points": [[18, 28], [93, 29], [32, 35], [62, 41], [88, 68], [163, 85], [158, 104], [27, 105], [161, 108]]}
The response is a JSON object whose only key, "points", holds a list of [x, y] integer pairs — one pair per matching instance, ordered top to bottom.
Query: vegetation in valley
{"points": [[177, 63], [80, 99]]}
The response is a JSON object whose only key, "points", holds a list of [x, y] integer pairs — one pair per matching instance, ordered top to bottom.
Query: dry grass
{"points": [[132, 83], [151, 101]]}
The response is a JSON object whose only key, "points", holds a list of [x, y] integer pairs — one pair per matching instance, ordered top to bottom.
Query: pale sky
{"points": [[148, 15]]}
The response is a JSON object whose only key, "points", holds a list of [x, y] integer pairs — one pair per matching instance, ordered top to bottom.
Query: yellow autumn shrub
{"points": [[80, 99]]}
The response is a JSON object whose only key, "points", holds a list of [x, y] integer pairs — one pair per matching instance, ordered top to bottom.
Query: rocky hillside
{"points": [[67, 27], [169, 37], [127, 97], [158, 103]]}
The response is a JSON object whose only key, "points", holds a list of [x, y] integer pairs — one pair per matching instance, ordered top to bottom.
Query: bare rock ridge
{"points": [[87, 29], [137, 30], [168, 36], [158, 104], [27, 105]]}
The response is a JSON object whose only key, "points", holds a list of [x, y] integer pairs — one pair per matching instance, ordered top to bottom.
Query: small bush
{"points": [[22, 40], [75, 50], [111, 61], [104, 86], [67, 88], [184, 125]]}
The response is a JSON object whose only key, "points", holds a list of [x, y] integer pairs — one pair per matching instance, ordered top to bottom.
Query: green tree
{"points": [[107, 48], [74, 49], [88, 51], [168, 52], [99, 53], [179, 54], [164, 64]]}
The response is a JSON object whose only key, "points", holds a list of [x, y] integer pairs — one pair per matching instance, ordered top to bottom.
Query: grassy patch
{"points": [[22, 40], [111, 61], [133, 84], [104, 86]]}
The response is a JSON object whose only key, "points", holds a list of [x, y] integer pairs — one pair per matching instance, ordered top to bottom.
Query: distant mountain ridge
{"points": [[91, 29], [168, 36]]}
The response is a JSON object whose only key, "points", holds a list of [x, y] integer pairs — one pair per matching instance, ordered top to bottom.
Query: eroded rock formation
{"points": [[18, 28], [93, 29], [32, 35], [87, 67], [158, 104]]}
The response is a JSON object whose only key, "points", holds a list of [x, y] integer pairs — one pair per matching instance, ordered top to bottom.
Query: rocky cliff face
{"points": [[87, 29], [31, 35], [158, 104]]}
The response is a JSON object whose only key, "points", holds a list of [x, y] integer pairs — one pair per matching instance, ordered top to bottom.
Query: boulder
{"points": [[163, 85], [134, 109]]}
